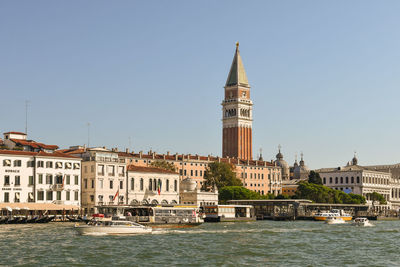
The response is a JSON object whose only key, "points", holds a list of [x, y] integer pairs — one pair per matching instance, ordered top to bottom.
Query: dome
{"points": [[354, 161], [283, 164], [301, 171], [188, 184]]}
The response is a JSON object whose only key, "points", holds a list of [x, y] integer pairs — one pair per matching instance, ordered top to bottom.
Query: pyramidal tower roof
{"points": [[237, 74]]}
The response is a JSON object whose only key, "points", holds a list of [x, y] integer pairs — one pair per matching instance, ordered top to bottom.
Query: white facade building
{"points": [[39, 177], [103, 177], [360, 180], [150, 185], [191, 195]]}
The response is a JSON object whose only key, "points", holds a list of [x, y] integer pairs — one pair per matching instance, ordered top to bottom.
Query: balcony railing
{"points": [[57, 187]]}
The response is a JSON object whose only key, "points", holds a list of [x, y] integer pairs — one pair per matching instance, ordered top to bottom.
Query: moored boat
{"points": [[111, 226]]}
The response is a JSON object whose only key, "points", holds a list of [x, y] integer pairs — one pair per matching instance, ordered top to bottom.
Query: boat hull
{"points": [[324, 218], [172, 225], [110, 230]]}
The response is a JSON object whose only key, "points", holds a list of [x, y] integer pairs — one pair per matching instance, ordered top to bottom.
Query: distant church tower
{"points": [[237, 114]]}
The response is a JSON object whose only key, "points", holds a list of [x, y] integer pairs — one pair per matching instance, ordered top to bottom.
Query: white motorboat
{"points": [[335, 220], [362, 222], [112, 226]]}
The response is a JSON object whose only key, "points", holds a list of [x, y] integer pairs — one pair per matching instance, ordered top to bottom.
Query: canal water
{"points": [[261, 243]]}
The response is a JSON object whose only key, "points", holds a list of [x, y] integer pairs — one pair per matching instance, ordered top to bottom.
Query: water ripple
{"points": [[261, 243]]}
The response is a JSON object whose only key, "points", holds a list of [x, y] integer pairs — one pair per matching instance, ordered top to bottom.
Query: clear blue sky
{"points": [[324, 74]]}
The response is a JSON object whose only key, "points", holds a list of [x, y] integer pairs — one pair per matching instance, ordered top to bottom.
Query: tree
{"points": [[162, 164], [220, 174], [314, 178], [236, 192], [239, 192], [323, 194], [375, 196]]}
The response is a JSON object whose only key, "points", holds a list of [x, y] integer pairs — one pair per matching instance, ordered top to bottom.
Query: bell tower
{"points": [[237, 113]]}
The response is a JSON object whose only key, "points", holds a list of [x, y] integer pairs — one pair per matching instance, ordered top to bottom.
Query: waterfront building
{"points": [[237, 113], [394, 171], [32, 175], [259, 176], [103, 177], [359, 180], [151, 185], [289, 187], [190, 194]]}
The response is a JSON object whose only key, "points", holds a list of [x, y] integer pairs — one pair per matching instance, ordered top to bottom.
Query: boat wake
{"points": [[226, 231]]}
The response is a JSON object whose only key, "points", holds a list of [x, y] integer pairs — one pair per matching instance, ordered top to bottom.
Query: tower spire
{"points": [[237, 74]]}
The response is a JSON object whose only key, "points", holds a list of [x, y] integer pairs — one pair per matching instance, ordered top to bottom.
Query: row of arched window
{"points": [[232, 112], [342, 180], [346, 180], [154, 185]]}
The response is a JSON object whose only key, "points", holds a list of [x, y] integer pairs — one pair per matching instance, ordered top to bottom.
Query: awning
{"points": [[37, 206]]}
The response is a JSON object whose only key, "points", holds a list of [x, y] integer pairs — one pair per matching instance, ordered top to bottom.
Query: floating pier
{"points": [[297, 209]]}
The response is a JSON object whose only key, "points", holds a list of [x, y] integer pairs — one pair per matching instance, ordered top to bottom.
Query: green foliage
{"points": [[162, 164], [220, 174], [314, 178], [239, 192], [323, 194], [375, 196], [282, 197]]}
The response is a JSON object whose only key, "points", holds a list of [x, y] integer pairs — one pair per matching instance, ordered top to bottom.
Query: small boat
{"points": [[45, 219], [73, 219], [83, 219], [14, 220], [22, 220], [32, 220], [335, 220], [362, 222], [111, 226]]}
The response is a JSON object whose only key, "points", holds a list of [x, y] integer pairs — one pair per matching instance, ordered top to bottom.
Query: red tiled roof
{"points": [[15, 133], [34, 144], [17, 152], [40, 153], [55, 154], [124, 154], [235, 161], [134, 168]]}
